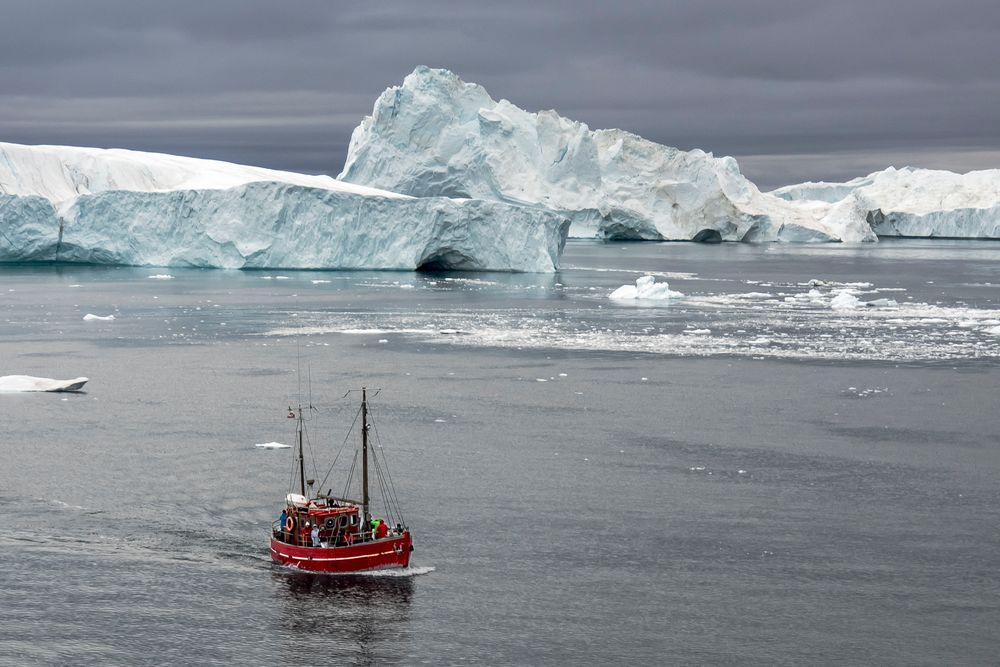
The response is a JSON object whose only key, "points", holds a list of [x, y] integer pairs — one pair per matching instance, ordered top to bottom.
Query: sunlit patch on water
{"points": [[812, 319]]}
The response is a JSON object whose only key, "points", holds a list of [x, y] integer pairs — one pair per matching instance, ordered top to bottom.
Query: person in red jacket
{"points": [[381, 530], [306, 536]]}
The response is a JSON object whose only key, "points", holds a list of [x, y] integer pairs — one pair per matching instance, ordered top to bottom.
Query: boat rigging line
{"points": [[388, 490]]}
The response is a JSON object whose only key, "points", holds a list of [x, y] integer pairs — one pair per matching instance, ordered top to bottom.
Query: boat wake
{"points": [[397, 572], [387, 573]]}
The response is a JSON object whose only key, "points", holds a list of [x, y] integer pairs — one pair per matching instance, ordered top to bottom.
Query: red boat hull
{"points": [[389, 552]]}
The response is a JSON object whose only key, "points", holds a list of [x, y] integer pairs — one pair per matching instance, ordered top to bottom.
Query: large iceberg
{"points": [[436, 135], [915, 202], [72, 204]]}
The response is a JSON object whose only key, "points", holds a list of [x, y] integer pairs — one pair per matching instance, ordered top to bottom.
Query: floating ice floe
{"points": [[161, 276], [646, 288], [846, 300], [882, 303], [90, 317], [16, 383], [865, 393], [272, 445]]}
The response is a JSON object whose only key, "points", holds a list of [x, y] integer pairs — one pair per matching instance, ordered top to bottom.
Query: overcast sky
{"points": [[796, 90]]}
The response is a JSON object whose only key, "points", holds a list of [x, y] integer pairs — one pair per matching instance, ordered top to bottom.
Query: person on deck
{"points": [[281, 525], [381, 530], [304, 535], [315, 535]]}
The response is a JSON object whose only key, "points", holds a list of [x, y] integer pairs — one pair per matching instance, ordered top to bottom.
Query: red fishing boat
{"points": [[324, 533]]}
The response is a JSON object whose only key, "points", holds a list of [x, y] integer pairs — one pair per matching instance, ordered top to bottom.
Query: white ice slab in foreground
{"points": [[15, 383]]}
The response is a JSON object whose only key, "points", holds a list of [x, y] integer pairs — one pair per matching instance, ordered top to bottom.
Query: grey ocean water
{"points": [[743, 475]]}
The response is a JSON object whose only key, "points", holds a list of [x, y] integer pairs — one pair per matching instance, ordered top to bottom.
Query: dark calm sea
{"points": [[748, 474]]}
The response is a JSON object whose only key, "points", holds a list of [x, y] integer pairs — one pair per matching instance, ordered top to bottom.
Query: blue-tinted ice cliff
{"points": [[436, 135], [70, 204]]}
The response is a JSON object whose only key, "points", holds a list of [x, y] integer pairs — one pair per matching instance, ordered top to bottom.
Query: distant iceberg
{"points": [[915, 202], [70, 204]]}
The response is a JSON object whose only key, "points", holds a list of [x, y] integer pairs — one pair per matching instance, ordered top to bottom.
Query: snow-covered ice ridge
{"points": [[437, 135], [915, 202], [60, 203]]}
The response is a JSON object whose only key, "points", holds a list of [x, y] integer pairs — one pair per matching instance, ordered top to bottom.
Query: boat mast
{"points": [[364, 451], [302, 462]]}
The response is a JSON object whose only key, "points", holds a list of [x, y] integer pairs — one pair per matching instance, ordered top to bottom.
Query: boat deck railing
{"points": [[277, 530]]}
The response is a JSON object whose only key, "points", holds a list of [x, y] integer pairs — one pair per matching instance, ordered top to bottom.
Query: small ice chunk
{"points": [[162, 276], [645, 287], [844, 301], [882, 303], [90, 317], [272, 445]]}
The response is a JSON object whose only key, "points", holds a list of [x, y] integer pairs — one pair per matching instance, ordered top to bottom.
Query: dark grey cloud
{"points": [[796, 88]]}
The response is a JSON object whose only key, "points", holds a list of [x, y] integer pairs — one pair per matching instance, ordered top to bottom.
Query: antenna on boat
{"points": [[298, 367], [309, 375], [364, 450], [300, 458]]}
